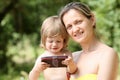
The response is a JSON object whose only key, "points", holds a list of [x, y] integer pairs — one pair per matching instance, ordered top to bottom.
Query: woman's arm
{"points": [[108, 66]]}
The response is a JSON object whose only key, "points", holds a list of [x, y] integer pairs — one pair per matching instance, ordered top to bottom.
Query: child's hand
{"points": [[68, 61], [40, 66], [43, 66], [72, 67]]}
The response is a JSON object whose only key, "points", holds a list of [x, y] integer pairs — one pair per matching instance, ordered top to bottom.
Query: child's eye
{"points": [[50, 41], [58, 41]]}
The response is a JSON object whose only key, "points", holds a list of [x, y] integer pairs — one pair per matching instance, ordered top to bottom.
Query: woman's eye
{"points": [[78, 22], [69, 27]]}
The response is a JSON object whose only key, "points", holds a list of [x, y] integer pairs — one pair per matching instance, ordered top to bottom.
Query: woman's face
{"points": [[79, 27]]}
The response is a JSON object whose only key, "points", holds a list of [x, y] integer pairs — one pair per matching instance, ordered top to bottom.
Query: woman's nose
{"points": [[75, 28]]}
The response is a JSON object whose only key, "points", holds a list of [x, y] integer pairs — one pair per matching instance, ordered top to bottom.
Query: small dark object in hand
{"points": [[54, 61]]}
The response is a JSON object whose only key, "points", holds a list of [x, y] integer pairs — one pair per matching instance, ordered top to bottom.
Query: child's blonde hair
{"points": [[51, 27]]}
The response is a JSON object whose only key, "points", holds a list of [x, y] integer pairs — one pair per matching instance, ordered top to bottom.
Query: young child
{"points": [[54, 38]]}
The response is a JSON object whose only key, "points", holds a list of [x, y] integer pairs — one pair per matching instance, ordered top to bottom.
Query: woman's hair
{"points": [[81, 7], [52, 27]]}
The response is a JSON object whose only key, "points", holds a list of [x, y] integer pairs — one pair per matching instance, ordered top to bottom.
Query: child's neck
{"points": [[54, 54]]}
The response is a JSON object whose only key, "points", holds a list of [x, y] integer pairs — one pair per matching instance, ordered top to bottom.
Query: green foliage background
{"points": [[20, 22]]}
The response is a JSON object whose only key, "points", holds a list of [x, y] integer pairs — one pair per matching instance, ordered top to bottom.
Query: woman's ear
{"points": [[93, 19]]}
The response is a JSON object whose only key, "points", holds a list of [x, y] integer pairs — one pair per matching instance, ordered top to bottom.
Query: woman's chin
{"points": [[78, 40]]}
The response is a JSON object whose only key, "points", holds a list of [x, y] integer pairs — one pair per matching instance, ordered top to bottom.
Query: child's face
{"points": [[54, 44]]}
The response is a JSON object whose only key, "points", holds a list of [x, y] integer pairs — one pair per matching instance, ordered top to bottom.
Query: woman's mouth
{"points": [[78, 34]]}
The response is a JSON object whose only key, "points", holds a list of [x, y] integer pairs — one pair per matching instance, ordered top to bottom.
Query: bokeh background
{"points": [[20, 23]]}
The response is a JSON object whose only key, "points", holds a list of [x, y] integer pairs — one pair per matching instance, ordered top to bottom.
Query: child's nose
{"points": [[54, 43]]}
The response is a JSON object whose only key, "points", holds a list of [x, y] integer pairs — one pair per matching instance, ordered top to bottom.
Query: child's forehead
{"points": [[55, 36]]}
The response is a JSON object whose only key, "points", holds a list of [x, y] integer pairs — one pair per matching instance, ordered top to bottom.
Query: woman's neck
{"points": [[90, 45]]}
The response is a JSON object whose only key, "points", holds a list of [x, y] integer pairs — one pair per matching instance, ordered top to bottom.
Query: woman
{"points": [[96, 61]]}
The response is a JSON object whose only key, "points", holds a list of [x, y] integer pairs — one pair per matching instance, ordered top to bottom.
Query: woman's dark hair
{"points": [[81, 7]]}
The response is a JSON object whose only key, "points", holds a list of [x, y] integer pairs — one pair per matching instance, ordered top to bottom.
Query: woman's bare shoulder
{"points": [[108, 51], [108, 56], [108, 62]]}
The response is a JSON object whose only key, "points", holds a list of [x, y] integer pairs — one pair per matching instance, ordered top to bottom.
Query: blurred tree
{"points": [[23, 17], [4, 35]]}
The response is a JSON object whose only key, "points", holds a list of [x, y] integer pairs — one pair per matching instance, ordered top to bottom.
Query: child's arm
{"points": [[72, 67], [37, 69], [34, 74]]}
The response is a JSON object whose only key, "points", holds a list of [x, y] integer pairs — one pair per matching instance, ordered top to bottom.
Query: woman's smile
{"points": [[78, 34]]}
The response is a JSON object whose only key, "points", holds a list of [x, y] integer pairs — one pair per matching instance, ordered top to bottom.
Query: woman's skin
{"points": [[96, 57]]}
